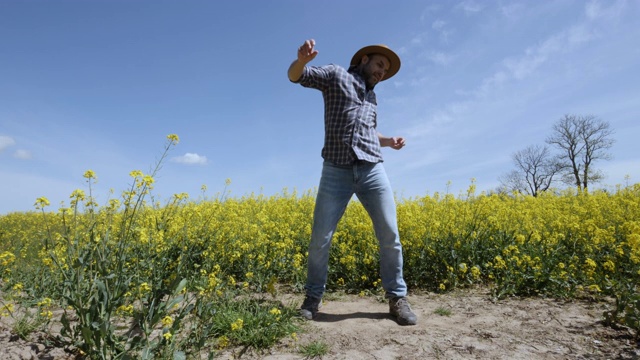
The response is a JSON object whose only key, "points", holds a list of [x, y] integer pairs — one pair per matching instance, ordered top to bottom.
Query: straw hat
{"points": [[394, 59]]}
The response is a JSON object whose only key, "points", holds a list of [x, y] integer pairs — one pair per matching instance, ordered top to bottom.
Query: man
{"points": [[353, 165]]}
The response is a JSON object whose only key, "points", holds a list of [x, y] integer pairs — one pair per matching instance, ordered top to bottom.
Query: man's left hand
{"points": [[397, 143]]}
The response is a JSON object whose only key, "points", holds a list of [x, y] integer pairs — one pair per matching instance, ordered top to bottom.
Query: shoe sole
{"points": [[307, 314], [402, 321]]}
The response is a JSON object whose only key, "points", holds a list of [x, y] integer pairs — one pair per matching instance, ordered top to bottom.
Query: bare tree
{"points": [[582, 140], [535, 171], [511, 182]]}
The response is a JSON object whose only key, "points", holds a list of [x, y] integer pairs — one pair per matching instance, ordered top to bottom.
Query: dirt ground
{"points": [[475, 328]]}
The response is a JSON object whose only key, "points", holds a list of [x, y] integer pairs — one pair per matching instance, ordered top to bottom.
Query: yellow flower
{"points": [[173, 138], [89, 174], [136, 174], [148, 180], [77, 194], [41, 202], [7, 258], [500, 263], [590, 263], [609, 266], [463, 268], [475, 272], [213, 281], [17, 287], [144, 287], [442, 287], [594, 288], [45, 302], [125, 309], [6, 310], [275, 311], [46, 314], [167, 321], [237, 325], [167, 336], [223, 342]]}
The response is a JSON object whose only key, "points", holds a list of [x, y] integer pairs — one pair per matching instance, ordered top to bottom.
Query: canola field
{"points": [[555, 244], [157, 265]]}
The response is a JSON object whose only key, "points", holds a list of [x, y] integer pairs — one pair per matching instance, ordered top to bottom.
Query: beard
{"points": [[369, 78]]}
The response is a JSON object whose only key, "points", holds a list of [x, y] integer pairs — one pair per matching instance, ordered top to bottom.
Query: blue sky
{"points": [[99, 84]]}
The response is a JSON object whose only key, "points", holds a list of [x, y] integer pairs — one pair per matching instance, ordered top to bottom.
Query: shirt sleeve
{"points": [[317, 77]]}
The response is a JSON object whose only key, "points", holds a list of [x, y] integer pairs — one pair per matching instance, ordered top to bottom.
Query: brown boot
{"points": [[399, 308]]}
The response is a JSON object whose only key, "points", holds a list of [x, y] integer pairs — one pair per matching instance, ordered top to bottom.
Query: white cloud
{"points": [[470, 6], [593, 10], [428, 11], [513, 11], [608, 11], [438, 24], [442, 29], [580, 34], [416, 40], [440, 58], [523, 67], [519, 68], [490, 83], [5, 142], [22, 154], [190, 159]]}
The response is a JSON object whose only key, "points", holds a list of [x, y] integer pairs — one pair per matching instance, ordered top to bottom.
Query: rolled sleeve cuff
{"points": [[302, 77]]}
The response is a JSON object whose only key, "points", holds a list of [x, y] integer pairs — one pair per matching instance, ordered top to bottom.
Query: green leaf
{"points": [[180, 287], [174, 301], [86, 335], [146, 353], [179, 355]]}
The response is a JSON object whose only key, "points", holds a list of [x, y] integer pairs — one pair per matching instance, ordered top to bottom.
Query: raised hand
{"points": [[306, 51]]}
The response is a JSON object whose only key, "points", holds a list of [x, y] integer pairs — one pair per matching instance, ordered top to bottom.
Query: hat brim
{"points": [[394, 59]]}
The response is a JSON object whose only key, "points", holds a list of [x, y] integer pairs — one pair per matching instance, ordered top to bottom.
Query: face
{"points": [[374, 67]]}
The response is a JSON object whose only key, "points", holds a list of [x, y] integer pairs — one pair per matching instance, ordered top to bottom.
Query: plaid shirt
{"points": [[349, 114]]}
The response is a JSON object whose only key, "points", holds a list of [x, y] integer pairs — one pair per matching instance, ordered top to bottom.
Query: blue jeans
{"points": [[369, 182]]}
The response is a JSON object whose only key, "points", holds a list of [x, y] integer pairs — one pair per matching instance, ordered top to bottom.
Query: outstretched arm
{"points": [[306, 53], [395, 143]]}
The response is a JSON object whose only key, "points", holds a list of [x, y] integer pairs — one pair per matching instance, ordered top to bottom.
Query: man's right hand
{"points": [[306, 52]]}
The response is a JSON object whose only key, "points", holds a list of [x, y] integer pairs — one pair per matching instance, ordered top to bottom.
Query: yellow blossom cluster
{"points": [[550, 243], [237, 325]]}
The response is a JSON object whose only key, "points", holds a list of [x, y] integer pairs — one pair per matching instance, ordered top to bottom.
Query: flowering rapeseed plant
{"points": [[558, 244]]}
